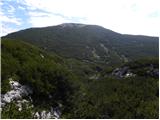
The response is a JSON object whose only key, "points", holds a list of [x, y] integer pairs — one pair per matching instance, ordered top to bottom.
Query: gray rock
{"points": [[122, 72], [17, 92]]}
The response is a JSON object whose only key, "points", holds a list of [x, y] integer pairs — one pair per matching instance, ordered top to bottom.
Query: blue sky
{"points": [[124, 16]]}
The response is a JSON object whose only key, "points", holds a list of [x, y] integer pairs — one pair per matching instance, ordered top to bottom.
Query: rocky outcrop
{"points": [[148, 70], [123, 72], [154, 72], [16, 93], [54, 113]]}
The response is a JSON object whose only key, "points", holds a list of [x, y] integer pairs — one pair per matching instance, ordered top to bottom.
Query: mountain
{"points": [[89, 43], [79, 71]]}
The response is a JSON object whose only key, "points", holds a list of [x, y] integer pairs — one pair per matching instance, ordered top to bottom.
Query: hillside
{"points": [[89, 43], [79, 71], [30, 74], [38, 85]]}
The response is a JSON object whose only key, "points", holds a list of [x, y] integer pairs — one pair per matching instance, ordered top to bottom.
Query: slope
{"points": [[90, 43], [30, 74], [49, 90]]}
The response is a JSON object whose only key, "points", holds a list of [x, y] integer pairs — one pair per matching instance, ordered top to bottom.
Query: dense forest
{"points": [[44, 83]]}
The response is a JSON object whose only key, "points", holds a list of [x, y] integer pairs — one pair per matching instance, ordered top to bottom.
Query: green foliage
{"points": [[79, 42], [144, 62], [142, 66], [46, 75], [67, 81], [112, 98], [11, 111]]}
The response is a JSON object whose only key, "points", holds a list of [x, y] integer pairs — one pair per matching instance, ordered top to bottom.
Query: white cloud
{"points": [[21, 8], [11, 9], [38, 14], [126, 16], [42, 19], [7, 20], [10, 20], [47, 20], [5, 30]]}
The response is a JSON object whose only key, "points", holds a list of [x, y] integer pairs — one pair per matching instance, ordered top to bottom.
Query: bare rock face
{"points": [[123, 72], [16, 93], [54, 113]]}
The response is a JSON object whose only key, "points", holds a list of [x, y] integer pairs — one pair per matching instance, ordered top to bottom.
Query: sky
{"points": [[139, 17]]}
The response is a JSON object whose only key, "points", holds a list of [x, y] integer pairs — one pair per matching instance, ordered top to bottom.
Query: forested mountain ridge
{"points": [[89, 42], [79, 71]]}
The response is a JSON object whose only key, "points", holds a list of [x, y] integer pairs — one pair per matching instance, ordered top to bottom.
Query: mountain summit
{"points": [[72, 25], [89, 42]]}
